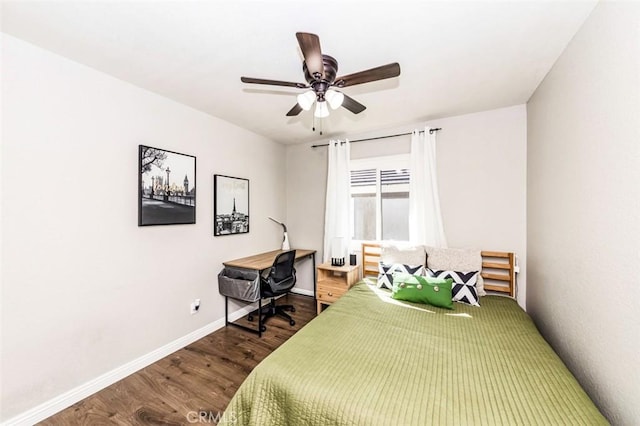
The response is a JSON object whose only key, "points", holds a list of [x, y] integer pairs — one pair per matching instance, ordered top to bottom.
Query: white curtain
{"points": [[425, 219], [337, 232]]}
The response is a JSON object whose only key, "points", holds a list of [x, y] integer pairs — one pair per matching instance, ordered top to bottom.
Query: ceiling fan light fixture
{"points": [[334, 98], [305, 100], [322, 110]]}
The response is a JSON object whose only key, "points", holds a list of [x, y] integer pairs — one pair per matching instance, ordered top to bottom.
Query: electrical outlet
{"points": [[195, 306]]}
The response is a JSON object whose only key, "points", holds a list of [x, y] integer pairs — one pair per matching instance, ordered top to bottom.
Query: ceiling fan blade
{"points": [[310, 46], [373, 74], [273, 82], [353, 105], [297, 109]]}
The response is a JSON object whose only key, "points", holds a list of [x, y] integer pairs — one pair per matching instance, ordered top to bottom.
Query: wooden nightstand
{"points": [[333, 282]]}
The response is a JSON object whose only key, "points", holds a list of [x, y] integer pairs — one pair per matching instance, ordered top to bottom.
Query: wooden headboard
{"points": [[498, 268]]}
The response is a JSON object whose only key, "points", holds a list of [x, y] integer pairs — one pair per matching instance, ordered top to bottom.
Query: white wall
{"points": [[481, 172], [583, 205], [84, 289]]}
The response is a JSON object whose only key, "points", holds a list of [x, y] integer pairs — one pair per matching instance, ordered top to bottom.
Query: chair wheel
{"points": [[293, 309], [250, 317], [292, 322], [263, 328]]}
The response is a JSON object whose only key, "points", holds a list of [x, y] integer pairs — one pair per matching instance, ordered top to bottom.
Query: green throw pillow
{"points": [[419, 289]]}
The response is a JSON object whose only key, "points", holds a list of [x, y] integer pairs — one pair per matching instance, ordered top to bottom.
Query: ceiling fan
{"points": [[320, 72]]}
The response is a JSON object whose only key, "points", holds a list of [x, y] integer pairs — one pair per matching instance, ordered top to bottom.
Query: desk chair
{"points": [[279, 280]]}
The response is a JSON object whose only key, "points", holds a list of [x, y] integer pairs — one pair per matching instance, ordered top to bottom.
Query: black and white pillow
{"points": [[386, 271], [464, 285]]}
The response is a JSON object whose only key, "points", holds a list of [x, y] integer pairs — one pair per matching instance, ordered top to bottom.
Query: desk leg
{"points": [[313, 260], [226, 311], [260, 317], [253, 330]]}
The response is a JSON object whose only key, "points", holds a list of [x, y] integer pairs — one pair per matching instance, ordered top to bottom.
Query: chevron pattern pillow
{"points": [[386, 271], [464, 285]]}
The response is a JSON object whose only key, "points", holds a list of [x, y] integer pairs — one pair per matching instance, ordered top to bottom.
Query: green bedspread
{"points": [[371, 360]]}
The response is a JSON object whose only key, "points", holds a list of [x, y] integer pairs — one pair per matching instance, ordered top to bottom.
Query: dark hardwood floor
{"points": [[193, 384]]}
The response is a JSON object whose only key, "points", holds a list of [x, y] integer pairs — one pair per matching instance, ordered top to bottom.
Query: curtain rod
{"points": [[381, 137]]}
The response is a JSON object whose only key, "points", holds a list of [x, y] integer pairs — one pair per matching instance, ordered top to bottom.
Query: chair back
{"points": [[282, 276]]}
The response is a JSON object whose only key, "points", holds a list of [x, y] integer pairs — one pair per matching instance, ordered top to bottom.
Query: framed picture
{"points": [[166, 187], [230, 205]]}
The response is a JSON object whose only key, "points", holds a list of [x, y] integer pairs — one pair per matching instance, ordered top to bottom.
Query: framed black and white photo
{"points": [[166, 187], [230, 205]]}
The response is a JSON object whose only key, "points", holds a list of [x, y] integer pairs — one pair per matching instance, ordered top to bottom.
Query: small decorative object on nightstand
{"points": [[337, 252], [334, 281]]}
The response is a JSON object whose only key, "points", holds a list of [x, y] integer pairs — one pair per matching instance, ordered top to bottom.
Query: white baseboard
{"points": [[302, 291], [59, 403]]}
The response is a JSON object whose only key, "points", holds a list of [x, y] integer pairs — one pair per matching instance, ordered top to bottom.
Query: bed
{"points": [[372, 360]]}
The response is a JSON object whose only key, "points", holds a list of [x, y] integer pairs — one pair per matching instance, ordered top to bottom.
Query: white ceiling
{"points": [[456, 57]]}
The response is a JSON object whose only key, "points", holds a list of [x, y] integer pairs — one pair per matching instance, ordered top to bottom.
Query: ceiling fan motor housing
{"points": [[321, 85]]}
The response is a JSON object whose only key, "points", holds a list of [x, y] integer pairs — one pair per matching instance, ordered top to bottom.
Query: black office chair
{"points": [[279, 280]]}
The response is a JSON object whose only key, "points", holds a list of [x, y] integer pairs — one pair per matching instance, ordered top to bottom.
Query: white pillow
{"points": [[404, 254], [454, 259], [386, 271]]}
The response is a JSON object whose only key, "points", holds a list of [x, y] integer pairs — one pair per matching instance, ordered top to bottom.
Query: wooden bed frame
{"points": [[498, 268]]}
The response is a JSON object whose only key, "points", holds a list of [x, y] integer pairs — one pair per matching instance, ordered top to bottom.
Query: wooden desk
{"points": [[261, 262]]}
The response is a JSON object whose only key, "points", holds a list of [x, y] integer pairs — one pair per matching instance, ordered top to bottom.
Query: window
{"points": [[380, 198]]}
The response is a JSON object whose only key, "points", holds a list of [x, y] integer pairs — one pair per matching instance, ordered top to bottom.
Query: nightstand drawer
{"points": [[325, 287], [329, 295]]}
